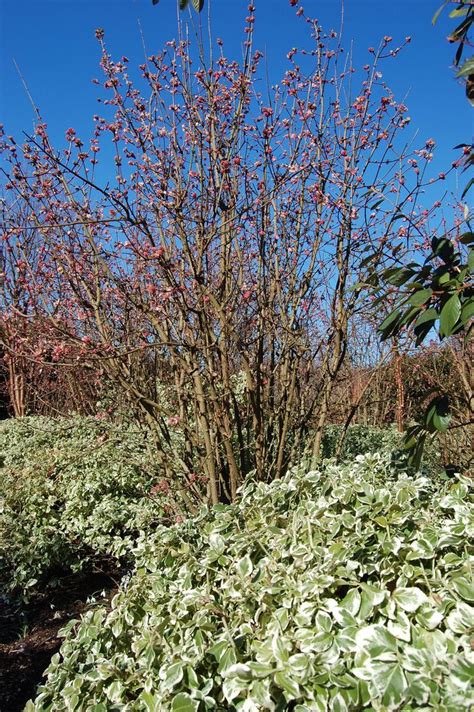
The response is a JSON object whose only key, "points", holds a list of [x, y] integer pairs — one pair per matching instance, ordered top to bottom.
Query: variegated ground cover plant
{"points": [[72, 489], [340, 589]]}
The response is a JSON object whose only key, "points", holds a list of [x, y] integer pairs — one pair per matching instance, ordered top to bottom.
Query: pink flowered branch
{"points": [[213, 279]]}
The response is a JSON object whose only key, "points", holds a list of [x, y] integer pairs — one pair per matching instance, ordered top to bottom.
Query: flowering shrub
{"points": [[221, 247], [71, 490], [337, 589]]}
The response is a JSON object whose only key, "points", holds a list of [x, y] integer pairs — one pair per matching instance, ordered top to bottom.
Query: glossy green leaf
{"points": [[439, 11], [467, 68], [467, 188], [467, 238], [444, 248], [398, 276], [420, 297], [467, 312], [449, 316], [390, 324], [438, 414]]}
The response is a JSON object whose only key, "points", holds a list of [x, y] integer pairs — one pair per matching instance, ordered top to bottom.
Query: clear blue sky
{"points": [[54, 45]]}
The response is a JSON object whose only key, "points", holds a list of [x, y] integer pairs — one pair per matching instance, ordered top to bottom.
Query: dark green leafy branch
{"points": [[463, 9], [437, 296]]}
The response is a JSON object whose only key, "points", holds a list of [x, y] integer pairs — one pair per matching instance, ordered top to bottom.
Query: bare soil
{"points": [[29, 634]]}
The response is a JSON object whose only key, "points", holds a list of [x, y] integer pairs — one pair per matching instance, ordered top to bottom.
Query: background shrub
{"points": [[360, 439], [363, 439], [72, 490]]}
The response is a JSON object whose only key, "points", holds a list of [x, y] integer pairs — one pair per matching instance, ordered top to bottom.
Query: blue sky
{"points": [[54, 45]]}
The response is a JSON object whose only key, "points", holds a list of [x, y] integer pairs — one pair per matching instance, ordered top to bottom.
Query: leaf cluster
{"points": [[464, 10], [436, 295], [359, 440], [70, 490], [345, 588]]}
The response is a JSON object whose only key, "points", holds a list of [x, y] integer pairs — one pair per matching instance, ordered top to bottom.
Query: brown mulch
{"points": [[28, 637]]}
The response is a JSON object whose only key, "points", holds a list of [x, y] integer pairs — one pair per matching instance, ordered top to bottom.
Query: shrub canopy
{"points": [[337, 589]]}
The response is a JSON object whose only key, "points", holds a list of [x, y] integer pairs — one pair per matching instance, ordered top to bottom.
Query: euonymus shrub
{"points": [[72, 489], [340, 589]]}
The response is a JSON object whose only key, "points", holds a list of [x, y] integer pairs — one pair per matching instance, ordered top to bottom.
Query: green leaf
{"points": [[198, 5], [439, 11], [459, 12], [458, 33], [467, 68], [467, 188], [377, 204], [467, 238], [444, 248], [470, 261], [399, 276], [443, 277], [420, 297], [467, 311], [428, 315], [449, 315], [424, 324], [389, 325], [438, 416], [415, 451], [216, 543], [245, 566], [464, 587], [409, 599], [351, 602], [428, 617], [461, 618], [323, 621], [400, 627], [376, 640], [227, 659], [239, 671], [462, 673], [174, 675], [285, 682], [395, 686], [115, 691], [149, 700], [183, 702]]}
